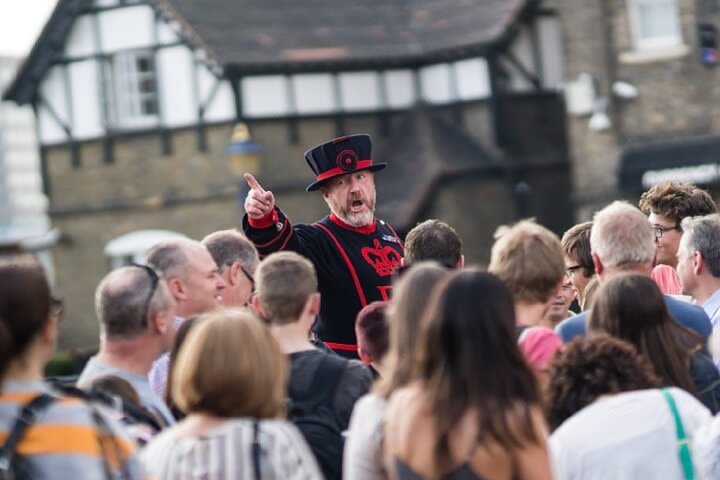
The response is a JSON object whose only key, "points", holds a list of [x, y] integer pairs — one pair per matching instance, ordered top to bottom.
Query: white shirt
{"points": [[712, 308], [627, 436], [362, 456]]}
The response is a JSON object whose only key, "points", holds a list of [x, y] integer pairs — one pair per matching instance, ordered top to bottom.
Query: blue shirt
{"points": [[712, 308], [687, 314]]}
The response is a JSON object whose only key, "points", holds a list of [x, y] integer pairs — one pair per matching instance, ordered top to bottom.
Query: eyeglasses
{"points": [[660, 230], [242, 269], [570, 270], [154, 279]]}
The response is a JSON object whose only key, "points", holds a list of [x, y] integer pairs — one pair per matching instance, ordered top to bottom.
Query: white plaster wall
{"points": [[126, 28], [165, 34], [81, 40], [551, 50], [435, 81], [473, 81], [175, 83], [399, 88], [53, 90], [359, 91], [313, 93], [265, 95], [86, 99], [223, 105]]}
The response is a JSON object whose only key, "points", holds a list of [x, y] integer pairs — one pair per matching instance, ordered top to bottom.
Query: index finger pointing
{"points": [[253, 183]]}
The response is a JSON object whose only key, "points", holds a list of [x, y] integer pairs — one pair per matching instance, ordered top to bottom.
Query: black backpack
{"points": [[312, 412]]}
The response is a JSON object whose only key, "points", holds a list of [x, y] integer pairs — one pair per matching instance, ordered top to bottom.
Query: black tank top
{"points": [[463, 472]]}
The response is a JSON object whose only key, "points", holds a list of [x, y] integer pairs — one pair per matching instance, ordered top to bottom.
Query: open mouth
{"points": [[357, 205]]}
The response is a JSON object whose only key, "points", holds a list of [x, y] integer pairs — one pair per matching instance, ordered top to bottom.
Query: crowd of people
{"points": [[338, 350]]}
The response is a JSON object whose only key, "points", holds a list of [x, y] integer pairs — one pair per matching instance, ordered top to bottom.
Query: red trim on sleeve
{"points": [[333, 172], [265, 221], [275, 238], [353, 273], [341, 346]]}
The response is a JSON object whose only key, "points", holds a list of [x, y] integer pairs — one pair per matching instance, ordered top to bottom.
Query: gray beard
{"points": [[353, 219]]}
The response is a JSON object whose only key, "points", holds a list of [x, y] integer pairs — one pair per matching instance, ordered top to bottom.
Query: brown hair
{"points": [[677, 200], [433, 240], [575, 244], [529, 259], [284, 281], [410, 300], [24, 306], [631, 307], [372, 323], [180, 336], [468, 360], [230, 366], [590, 367]]}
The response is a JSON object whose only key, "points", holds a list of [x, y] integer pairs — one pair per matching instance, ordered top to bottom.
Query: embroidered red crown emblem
{"points": [[383, 259]]}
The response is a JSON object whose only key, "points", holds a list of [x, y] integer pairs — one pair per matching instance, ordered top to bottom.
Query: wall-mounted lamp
{"points": [[625, 90], [582, 98], [599, 120]]}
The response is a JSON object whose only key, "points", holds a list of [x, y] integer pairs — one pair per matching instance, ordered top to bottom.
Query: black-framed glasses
{"points": [[660, 230], [570, 270], [244, 271], [154, 279]]}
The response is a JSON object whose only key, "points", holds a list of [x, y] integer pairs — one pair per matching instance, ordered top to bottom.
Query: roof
{"points": [[256, 36]]}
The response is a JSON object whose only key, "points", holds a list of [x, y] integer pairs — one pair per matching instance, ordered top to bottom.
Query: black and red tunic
{"points": [[354, 265]]}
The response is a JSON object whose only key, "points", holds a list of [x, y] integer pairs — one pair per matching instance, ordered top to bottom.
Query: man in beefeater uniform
{"points": [[354, 253]]}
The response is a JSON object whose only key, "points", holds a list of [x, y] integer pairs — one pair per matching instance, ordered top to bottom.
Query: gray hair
{"points": [[702, 234], [622, 236], [229, 246], [170, 258], [120, 301]]}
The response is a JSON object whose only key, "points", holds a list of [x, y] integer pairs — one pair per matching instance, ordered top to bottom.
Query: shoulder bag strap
{"points": [[26, 418], [683, 447], [256, 449]]}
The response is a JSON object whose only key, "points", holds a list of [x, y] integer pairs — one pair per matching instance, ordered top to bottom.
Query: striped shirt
{"points": [[65, 442], [226, 453]]}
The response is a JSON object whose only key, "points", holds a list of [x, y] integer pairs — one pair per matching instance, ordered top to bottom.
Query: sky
{"points": [[20, 24]]}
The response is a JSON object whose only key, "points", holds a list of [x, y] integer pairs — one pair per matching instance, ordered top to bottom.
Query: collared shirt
{"points": [[712, 308], [159, 371]]}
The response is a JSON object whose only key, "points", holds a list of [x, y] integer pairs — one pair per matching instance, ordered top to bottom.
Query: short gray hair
{"points": [[702, 234], [622, 236], [229, 246], [170, 258], [120, 301]]}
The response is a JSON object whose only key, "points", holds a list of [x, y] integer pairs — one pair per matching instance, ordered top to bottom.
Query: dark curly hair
{"points": [[677, 200], [590, 367]]}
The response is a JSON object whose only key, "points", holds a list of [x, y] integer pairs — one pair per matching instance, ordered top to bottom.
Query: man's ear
{"points": [[403, 262], [461, 262], [698, 263], [599, 268], [234, 273], [177, 289], [312, 305], [257, 306], [161, 322], [49, 332], [364, 357]]}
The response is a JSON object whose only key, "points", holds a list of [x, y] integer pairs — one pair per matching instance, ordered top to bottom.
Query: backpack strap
{"points": [[25, 419], [682, 440], [256, 449]]}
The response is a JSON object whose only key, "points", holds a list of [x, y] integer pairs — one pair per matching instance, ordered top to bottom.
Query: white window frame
{"points": [[654, 43], [126, 102]]}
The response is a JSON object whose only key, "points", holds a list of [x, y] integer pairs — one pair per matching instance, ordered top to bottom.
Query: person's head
{"points": [[345, 177], [666, 204], [621, 239], [433, 240], [698, 257], [236, 258], [578, 258], [529, 259], [190, 273], [287, 289], [411, 295], [134, 303], [560, 303], [632, 308], [27, 326], [371, 330], [180, 336], [468, 355], [230, 366], [590, 367]]}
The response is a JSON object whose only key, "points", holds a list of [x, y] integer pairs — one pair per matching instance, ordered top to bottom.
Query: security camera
{"points": [[625, 90]]}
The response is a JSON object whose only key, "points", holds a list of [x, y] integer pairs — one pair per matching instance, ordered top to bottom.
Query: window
{"points": [[654, 23], [132, 89]]}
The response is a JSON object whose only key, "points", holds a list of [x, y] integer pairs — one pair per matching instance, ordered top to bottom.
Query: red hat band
{"points": [[333, 172]]}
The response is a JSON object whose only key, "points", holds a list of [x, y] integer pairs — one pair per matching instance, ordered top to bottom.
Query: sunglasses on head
{"points": [[154, 279]]}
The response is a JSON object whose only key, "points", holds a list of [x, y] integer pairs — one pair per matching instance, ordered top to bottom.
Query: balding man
{"points": [[622, 241], [236, 258], [194, 282], [134, 308]]}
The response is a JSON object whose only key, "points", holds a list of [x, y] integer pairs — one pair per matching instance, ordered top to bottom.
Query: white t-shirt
{"points": [[627, 436], [362, 456]]}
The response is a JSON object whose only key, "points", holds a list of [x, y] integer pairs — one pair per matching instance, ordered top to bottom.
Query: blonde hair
{"points": [[529, 259], [284, 281], [230, 366]]}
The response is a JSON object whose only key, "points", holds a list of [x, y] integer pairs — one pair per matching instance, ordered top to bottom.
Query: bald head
{"points": [[191, 275], [127, 300]]}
